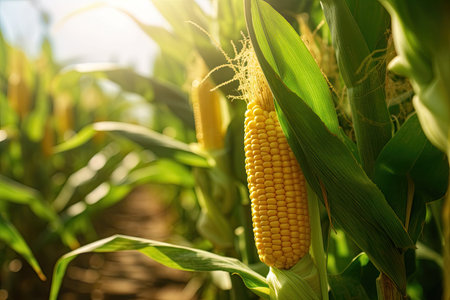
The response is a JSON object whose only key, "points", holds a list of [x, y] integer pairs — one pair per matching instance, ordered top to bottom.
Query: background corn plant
{"points": [[350, 122]]}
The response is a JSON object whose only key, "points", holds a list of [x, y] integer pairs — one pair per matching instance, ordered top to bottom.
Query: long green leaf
{"points": [[179, 12], [421, 34], [359, 38], [291, 60], [152, 89], [163, 92], [76, 141], [161, 145], [162, 171], [410, 172], [85, 180], [16, 192], [354, 201], [10, 235], [177, 257], [347, 285]]}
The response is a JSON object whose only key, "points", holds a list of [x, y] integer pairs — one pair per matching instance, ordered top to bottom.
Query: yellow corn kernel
{"points": [[207, 115], [280, 195]]}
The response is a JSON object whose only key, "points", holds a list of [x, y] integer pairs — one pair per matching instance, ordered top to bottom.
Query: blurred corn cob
{"points": [[19, 95], [207, 115], [213, 189]]}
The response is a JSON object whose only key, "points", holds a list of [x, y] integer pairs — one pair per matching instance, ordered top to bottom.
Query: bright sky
{"points": [[98, 35]]}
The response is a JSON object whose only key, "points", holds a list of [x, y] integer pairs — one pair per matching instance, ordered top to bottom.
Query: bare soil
{"points": [[129, 274]]}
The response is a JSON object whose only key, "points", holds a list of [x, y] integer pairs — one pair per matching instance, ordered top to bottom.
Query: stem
{"points": [[245, 215], [446, 249], [318, 252], [387, 290]]}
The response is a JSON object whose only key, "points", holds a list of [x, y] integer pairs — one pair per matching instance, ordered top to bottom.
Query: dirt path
{"points": [[129, 275]]}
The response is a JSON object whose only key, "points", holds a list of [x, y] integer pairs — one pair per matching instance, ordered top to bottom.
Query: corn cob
{"points": [[19, 95], [207, 115], [275, 180]]}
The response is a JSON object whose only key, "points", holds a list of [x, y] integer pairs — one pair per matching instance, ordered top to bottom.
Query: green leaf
{"points": [[179, 12], [231, 22], [192, 25], [421, 37], [360, 41], [288, 56], [168, 70], [152, 89], [163, 92], [8, 115], [34, 124], [77, 140], [234, 143], [160, 144], [162, 171], [410, 172], [82, 182], [16, 192], [354, 200], [77, 216], [212, 223], [10, 235], [317, 248], [177, 257], [347, 285]]}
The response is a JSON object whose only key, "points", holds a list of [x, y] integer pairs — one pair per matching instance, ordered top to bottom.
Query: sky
{"points": [[101, 34]]}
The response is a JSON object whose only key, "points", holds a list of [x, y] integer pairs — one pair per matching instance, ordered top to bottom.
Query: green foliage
{"points": [[360, 39], [160, 92], [160, 144], [71, 147], [411, 172], [354, 201], [10, 235], [177, 257], [347, 285]]}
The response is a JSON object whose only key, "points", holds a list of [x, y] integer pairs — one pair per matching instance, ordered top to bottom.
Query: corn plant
{"points": [[326, 176], [47, 195]]}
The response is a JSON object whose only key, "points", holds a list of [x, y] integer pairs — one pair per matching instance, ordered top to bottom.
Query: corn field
{"points": [[302, 146]]}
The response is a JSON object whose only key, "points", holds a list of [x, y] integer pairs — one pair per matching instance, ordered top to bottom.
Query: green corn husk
{"points": [[306, 280], [299, 282]]}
